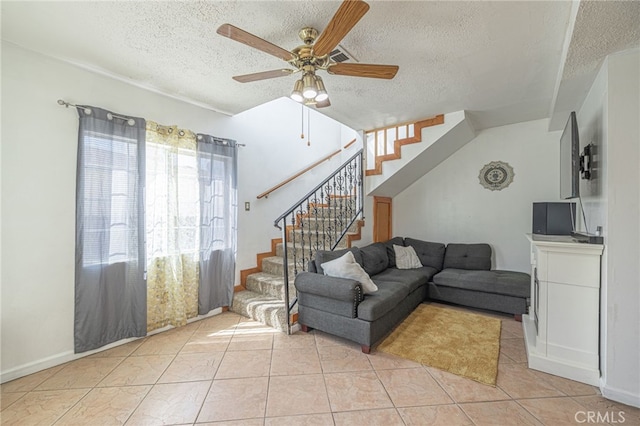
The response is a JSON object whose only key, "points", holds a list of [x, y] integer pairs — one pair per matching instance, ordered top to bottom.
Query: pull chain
{"points": [[302, 121], [309, 127]]}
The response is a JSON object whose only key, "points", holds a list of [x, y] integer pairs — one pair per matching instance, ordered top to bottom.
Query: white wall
{"points": [[609, 119], [592, 125], [39, 142], [449, 204], [623, 210]]}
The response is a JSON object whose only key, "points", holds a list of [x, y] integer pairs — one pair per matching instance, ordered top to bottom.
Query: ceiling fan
{"points": [[313, 55]]}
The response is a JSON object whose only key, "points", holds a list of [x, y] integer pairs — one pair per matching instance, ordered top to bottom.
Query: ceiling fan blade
{"points": [[345, 18], [235, 33], [364, 70], [264, 75]]}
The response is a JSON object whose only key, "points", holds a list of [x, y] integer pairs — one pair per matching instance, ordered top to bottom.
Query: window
{"points": [[110, 175]]}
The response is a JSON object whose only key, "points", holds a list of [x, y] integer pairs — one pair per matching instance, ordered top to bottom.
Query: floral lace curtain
{"points": [[172, 227]]}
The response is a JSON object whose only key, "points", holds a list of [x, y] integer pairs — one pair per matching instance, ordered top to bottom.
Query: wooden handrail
{"points": [[349, 144], [300, 173]]}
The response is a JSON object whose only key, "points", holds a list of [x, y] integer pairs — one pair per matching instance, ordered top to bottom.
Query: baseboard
{"points": [[67, 356], [53, 361], [619, 395]]}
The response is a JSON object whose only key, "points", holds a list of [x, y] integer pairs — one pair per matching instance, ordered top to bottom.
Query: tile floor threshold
{"points": [[230, 370]]}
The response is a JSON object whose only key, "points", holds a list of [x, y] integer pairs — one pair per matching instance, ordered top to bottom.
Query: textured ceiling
{"points": [[601, 28], [497, 60]]}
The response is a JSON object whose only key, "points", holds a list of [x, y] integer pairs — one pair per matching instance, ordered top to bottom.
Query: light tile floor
{"points": [[233, 371]]}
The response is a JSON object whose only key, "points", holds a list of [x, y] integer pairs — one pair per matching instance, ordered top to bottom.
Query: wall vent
{"points": [[340, 54]]}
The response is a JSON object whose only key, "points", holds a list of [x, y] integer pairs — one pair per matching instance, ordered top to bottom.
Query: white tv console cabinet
{"points": [[562, 328]]}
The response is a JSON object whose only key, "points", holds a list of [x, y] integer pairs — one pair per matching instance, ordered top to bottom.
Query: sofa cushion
{"points": [[391, 254], [430, 254], [323, 256], [468, 256], [406, 257], [374, 258], [346, 267], [410, 278], [509, 283], [388, 296]]}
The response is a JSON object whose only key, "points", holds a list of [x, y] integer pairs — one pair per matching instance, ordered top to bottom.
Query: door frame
{"points": [[376, 201]]}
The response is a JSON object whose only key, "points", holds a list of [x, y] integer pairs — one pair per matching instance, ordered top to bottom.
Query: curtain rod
{"points": [[128, 119]]}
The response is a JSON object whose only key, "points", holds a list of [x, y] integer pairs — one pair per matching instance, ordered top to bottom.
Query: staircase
{"points": [[329, 217], [320, 219], [263, 297]]}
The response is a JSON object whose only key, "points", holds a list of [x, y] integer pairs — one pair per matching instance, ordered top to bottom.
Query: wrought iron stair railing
{"points": [[320, 220]]}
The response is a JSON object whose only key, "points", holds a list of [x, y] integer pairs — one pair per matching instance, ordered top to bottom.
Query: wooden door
{"points": [[381, 219]]}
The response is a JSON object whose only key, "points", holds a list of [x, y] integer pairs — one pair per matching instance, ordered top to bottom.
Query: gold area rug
{"points": [[461, 343]]}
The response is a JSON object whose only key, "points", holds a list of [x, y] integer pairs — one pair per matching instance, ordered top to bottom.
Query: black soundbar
{"points": [[583, 237]]}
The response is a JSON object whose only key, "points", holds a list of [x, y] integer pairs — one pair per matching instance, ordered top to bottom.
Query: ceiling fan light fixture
{"points": [[309, 90], [322, 91], [296, 94]]}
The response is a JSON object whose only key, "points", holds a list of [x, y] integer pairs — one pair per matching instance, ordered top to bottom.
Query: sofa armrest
{"points": [[330, 287]]}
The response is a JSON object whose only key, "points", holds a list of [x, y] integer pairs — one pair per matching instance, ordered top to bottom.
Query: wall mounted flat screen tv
{"points": [[570, 159]]}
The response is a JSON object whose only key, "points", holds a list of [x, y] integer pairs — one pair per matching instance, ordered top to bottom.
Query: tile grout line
{"points": [[214, 373], [159, 376], [324, 379], [151, 385], [385, 389], [83, 396], [266, 401], [455, 402], [530, 413]]}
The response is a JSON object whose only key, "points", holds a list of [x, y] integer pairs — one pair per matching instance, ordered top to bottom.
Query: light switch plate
{"points": [[247, 206]]}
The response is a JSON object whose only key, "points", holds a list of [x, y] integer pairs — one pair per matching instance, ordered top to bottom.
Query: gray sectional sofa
{"points": [[457, 273]]}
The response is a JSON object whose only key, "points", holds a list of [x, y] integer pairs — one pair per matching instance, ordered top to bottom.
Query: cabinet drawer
{"points": [[576, 269]]}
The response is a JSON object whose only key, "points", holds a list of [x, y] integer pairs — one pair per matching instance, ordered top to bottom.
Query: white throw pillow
{"points": [[406, 257], [346, 267]]}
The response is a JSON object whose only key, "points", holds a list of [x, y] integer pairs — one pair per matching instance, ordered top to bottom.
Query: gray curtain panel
{"points": [[217, 175], [110, 288]]}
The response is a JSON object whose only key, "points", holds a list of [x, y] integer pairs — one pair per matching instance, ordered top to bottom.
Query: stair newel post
{"points": [[362, 183], [350, 188], [360, 190], [310, 206], [339, 206], [335, 212], [301, 215], [326, 215], [317, 226], [324, 231], [285, 262]]}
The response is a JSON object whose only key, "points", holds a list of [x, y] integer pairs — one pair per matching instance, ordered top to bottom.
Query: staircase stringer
{"points": [[398, 143], [246, 272]]}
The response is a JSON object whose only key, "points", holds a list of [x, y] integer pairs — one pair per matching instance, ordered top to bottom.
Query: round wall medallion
{"points": [[496, 175]]}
